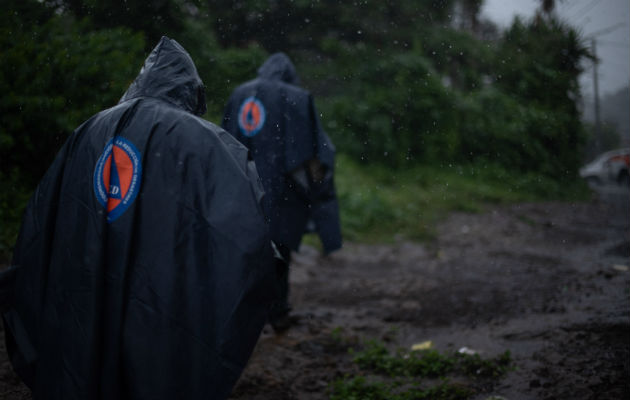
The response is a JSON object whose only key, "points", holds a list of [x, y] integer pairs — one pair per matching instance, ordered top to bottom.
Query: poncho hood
{"points": [[279, 67], [169, 74]]}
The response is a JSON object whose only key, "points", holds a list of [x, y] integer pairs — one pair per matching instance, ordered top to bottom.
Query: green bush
{"points": [[541, 61], [55, 73], [53, 77], [447, 97], [395, 112]]}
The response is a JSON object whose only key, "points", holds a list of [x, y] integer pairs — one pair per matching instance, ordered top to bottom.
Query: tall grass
{"points": [[378, 204]]}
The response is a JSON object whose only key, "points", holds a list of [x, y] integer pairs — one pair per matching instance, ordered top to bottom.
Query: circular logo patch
{"points": [[251, 116], [117, 176]]}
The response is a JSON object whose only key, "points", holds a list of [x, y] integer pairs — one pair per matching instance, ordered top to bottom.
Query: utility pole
{"points": [[598, 128], [598, 138]]}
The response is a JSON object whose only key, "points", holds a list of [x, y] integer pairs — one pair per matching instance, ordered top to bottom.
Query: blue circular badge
{"points": [[251, 116], [117, 176]]}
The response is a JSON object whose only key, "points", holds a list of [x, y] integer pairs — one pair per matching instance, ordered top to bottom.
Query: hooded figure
{"points": [[277, 121], [141, 267]]}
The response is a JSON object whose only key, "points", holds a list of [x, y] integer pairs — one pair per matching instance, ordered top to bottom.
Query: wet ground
{"points": [[550, 282]]}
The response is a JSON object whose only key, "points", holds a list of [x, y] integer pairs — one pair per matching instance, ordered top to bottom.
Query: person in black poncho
{"points": [[277, 121], [142, 266]]}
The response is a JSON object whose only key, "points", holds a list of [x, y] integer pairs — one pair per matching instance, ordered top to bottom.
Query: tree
{"points": [[547, 6], [470, 14], [152, 18], [291, 24], [540, 63], [55, 73]]}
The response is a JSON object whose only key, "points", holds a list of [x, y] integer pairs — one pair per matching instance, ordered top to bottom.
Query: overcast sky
{"points": [[589, 17]]}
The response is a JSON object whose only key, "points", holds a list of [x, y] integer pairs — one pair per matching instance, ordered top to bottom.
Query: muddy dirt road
{"points": [[548, 282]]}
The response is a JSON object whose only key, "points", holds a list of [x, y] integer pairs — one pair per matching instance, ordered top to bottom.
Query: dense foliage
{"points": [[55, 72], [399, 83]]}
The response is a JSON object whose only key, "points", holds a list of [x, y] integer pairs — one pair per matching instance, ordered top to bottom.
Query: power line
{"points": [[570, 5], [585, 10], [584, 22], [605, 30], [615, 44], [627, 44], [616, 64]]}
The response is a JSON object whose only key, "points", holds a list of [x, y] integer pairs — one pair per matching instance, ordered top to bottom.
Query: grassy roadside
{"points": [[380, 205], [379, 374]]}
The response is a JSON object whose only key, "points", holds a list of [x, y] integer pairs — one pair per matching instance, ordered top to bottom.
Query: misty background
{"points": [[607, 21]]}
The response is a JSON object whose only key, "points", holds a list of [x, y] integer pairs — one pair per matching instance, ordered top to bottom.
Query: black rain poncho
{"points": [[277, 121], [143, 265]]}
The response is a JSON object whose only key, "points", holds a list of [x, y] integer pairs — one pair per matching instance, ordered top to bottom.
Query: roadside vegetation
{"points": [[379, 204], [415, 375]]}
